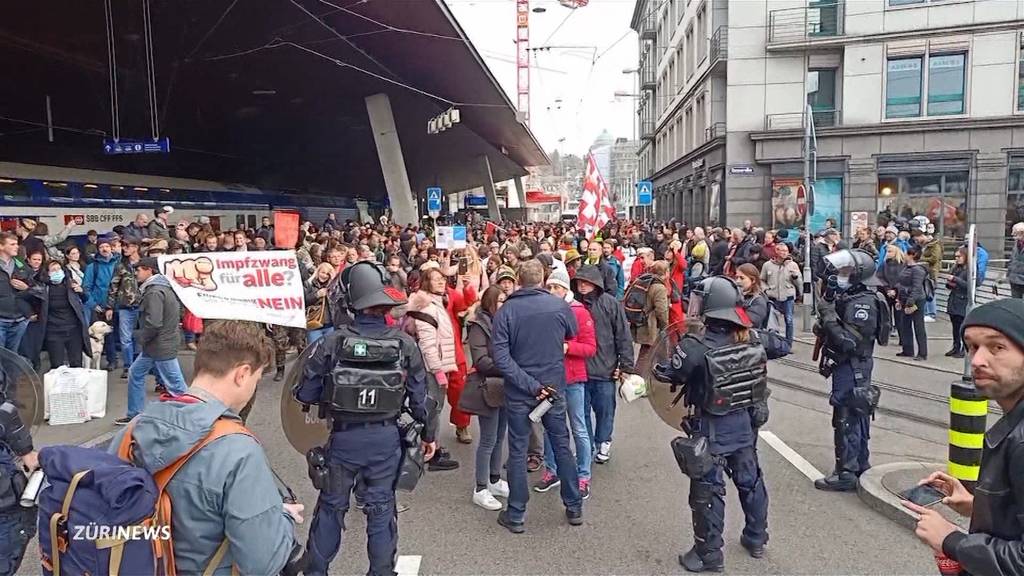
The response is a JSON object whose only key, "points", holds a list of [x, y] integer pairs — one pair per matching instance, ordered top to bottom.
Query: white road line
{"points": [[100, 439], [788, 453], [408, 565]]}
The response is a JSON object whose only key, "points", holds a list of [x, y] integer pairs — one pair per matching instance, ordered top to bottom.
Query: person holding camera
{"points": [[530, 331], [994, 546]]}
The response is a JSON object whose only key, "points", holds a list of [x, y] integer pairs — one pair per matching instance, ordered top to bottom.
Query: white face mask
{"points": [[843, 282]]}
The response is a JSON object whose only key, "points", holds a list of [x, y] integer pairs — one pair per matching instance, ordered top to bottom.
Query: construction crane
{"points": [[523, 53]]}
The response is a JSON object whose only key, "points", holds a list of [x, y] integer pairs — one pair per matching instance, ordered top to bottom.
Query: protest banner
{"points": [[258, 286]]}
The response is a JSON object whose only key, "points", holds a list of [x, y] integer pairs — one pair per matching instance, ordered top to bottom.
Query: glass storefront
{"points": [[941, 197], [1014, 203]]}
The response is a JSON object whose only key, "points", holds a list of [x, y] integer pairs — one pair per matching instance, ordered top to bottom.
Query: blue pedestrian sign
{"points": [[134, 146], [644, 193], [434, 200]]}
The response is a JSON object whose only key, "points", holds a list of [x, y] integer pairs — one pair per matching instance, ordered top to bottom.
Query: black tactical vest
{"points": [[736, 377], [368, 379]]}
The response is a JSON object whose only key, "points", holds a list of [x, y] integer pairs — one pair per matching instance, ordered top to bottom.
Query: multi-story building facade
{"points": [[917, 105], [622, 177]]}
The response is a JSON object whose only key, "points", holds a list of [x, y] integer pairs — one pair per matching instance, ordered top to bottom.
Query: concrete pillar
{"points": [[392, 162], [521, 191], [493, 210]]}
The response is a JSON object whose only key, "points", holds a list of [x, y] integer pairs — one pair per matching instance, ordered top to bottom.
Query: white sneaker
{"points": [[929, 318], [604, 453], [499, 489], [486, 500]]}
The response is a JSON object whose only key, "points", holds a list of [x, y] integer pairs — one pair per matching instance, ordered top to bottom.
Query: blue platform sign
{"points": [[134, 146], [644, 193], [434, 200]]}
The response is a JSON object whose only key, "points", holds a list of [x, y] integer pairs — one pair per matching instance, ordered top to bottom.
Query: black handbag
{"points": [[494, 391], [472, 400]]}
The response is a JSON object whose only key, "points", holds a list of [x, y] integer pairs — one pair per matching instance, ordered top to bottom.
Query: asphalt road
{"points": [[637, 520]]}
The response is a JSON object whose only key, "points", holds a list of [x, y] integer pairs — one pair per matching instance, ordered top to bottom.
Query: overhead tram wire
{"points": [[388, 27], [278, 43], [115, 117]]}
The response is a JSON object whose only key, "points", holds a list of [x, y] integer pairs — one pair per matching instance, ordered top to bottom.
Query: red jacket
{"points": [[636, 269], [675, 282], [459, 301], [581, 346]]}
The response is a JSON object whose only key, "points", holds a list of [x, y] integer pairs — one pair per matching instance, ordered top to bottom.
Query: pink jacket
{"points": [[436, 344], [581, 346]]}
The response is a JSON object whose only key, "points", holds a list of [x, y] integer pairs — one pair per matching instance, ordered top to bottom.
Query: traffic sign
{"points": [[122, 146], [644, 192], [434, 201]]}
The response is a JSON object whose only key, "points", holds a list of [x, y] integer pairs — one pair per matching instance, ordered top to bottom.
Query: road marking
{"points": [[100, 439], [788, 453], [408, 565]]}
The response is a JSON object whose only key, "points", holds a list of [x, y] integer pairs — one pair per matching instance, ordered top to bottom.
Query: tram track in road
{"points": [[884, 386]]}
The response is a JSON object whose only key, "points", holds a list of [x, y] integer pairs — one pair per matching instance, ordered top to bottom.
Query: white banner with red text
{"points": [[258, 286]]}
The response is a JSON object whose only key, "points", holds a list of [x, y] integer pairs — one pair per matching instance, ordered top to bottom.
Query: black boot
{"points": [[280, 374], [837, 482], [692, 562]]}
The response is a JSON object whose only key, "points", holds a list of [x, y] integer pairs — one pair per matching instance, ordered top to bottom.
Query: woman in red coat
{"points": [[675, 281]]}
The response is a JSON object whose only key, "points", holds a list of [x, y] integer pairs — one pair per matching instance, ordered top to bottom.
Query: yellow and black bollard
{"points": [[968, 410]]}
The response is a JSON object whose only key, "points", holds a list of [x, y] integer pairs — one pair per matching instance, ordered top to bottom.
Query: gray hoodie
{"points": [[225, 490]]}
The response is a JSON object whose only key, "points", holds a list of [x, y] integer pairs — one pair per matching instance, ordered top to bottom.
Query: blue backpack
{"points": [[982, 265], [103, 515]]}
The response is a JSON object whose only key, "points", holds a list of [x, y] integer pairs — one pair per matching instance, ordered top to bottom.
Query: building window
{"points": [[701, 35], [689, 53], [946, 84], [903, 88], [821, 95], [941, 197]]}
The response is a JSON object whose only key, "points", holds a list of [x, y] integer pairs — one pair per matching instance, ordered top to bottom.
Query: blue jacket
{"points": [[880, 259], [620, 277], [97, 280], [529, 330]]}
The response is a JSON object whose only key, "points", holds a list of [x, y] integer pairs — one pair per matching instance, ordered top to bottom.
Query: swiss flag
{"points": [[596, 208]]}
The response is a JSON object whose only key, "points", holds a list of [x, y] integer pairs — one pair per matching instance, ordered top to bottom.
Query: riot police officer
{"points": [[851, 317], [365, 374], [722, 379], [17, 523]]}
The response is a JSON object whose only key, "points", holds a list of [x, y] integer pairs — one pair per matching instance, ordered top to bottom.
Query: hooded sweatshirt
{"points": [[614, 343], [226, 490]]}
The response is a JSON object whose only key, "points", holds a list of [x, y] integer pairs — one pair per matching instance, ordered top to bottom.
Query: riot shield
{"points": [[21, 385], [667, 403], [304, 430]]}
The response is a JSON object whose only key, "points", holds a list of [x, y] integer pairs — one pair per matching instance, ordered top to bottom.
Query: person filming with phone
{"points": [[994, 545]]}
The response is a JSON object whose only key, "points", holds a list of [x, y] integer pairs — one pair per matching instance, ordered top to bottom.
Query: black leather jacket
{"points": [[995, 544]]}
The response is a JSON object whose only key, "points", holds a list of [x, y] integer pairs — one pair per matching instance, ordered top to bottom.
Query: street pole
{"points": [[809, 292], [968, 409]]}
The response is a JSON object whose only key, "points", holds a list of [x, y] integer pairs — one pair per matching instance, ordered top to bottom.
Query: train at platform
{"points": [[99, 200]]}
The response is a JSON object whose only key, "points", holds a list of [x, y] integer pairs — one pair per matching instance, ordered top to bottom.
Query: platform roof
{"points": [[265, 92]]}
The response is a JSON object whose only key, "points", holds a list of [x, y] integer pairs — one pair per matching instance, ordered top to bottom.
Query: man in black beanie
{"points": [[994, 336]]}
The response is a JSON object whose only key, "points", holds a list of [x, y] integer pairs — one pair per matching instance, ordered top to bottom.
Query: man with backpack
{"points": [[189, 457]]}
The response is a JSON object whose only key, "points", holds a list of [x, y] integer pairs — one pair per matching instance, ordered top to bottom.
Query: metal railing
{"points": [[817, 20], [648, 28], [719, 46], [647, 80], [822, 119], [647, 129], [716, 130]]}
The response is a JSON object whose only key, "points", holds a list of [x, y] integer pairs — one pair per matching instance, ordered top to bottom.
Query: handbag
{"points": [[315, 315], [494, 391], [472, 399]]}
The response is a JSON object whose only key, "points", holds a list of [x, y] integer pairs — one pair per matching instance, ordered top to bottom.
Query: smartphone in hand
{"points": [[925, 495]]}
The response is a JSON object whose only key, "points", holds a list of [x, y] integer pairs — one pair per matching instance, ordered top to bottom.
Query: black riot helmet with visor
{"points": [[847, 268], [368, 285], [719, 298]]}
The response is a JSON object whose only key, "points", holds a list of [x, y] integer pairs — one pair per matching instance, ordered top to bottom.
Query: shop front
{"points": [[937, 189]]}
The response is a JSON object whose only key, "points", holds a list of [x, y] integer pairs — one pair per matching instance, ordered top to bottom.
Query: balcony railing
{"points": [[817, 20], [648, 29], [719, 46], [647, 80], [826, 118], [647, 129], [716, 130]]}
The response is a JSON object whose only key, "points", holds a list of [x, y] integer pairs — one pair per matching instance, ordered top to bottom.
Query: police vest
{"points": [[735, 375], [368, 379]]}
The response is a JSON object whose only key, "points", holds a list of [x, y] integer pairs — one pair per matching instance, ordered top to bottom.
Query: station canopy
{"points": [[269, 93]]}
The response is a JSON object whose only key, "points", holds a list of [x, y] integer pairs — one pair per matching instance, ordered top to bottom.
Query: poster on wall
{"points": [[789, 203], [828, 203], [713, 204], [858, 220]]}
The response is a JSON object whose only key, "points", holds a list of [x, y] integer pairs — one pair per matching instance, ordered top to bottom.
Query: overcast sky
{"points": [[570, 97]]}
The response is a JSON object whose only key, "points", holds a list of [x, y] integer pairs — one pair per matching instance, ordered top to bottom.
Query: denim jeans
{"points": [[786, 307], [931, 307], [127, 318], [11, 333], [314, 335], [169, 372], [599, 397], [574, 399], [519, 438], [488, 450]]}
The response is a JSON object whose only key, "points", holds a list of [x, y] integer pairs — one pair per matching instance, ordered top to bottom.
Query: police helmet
{"points": [[857, 265], [368, 285], [720, 298]]}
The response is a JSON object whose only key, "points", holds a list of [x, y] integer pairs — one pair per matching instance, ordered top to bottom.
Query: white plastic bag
{"points": [[93, 381]]}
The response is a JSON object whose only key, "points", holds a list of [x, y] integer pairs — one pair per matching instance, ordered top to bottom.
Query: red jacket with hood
{"points": [[581, 346]]}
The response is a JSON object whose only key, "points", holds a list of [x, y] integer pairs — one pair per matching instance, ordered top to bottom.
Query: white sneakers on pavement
{"points": [[604, 453], [499, 488], [486, 500]]}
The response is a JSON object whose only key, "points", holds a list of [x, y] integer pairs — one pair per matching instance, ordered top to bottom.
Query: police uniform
{"points": [[851, 315], [363, 374], [725, 385], [17, 523]]}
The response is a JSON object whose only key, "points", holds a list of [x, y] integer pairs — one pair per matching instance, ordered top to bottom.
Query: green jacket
{"points": [[932, 255]]}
